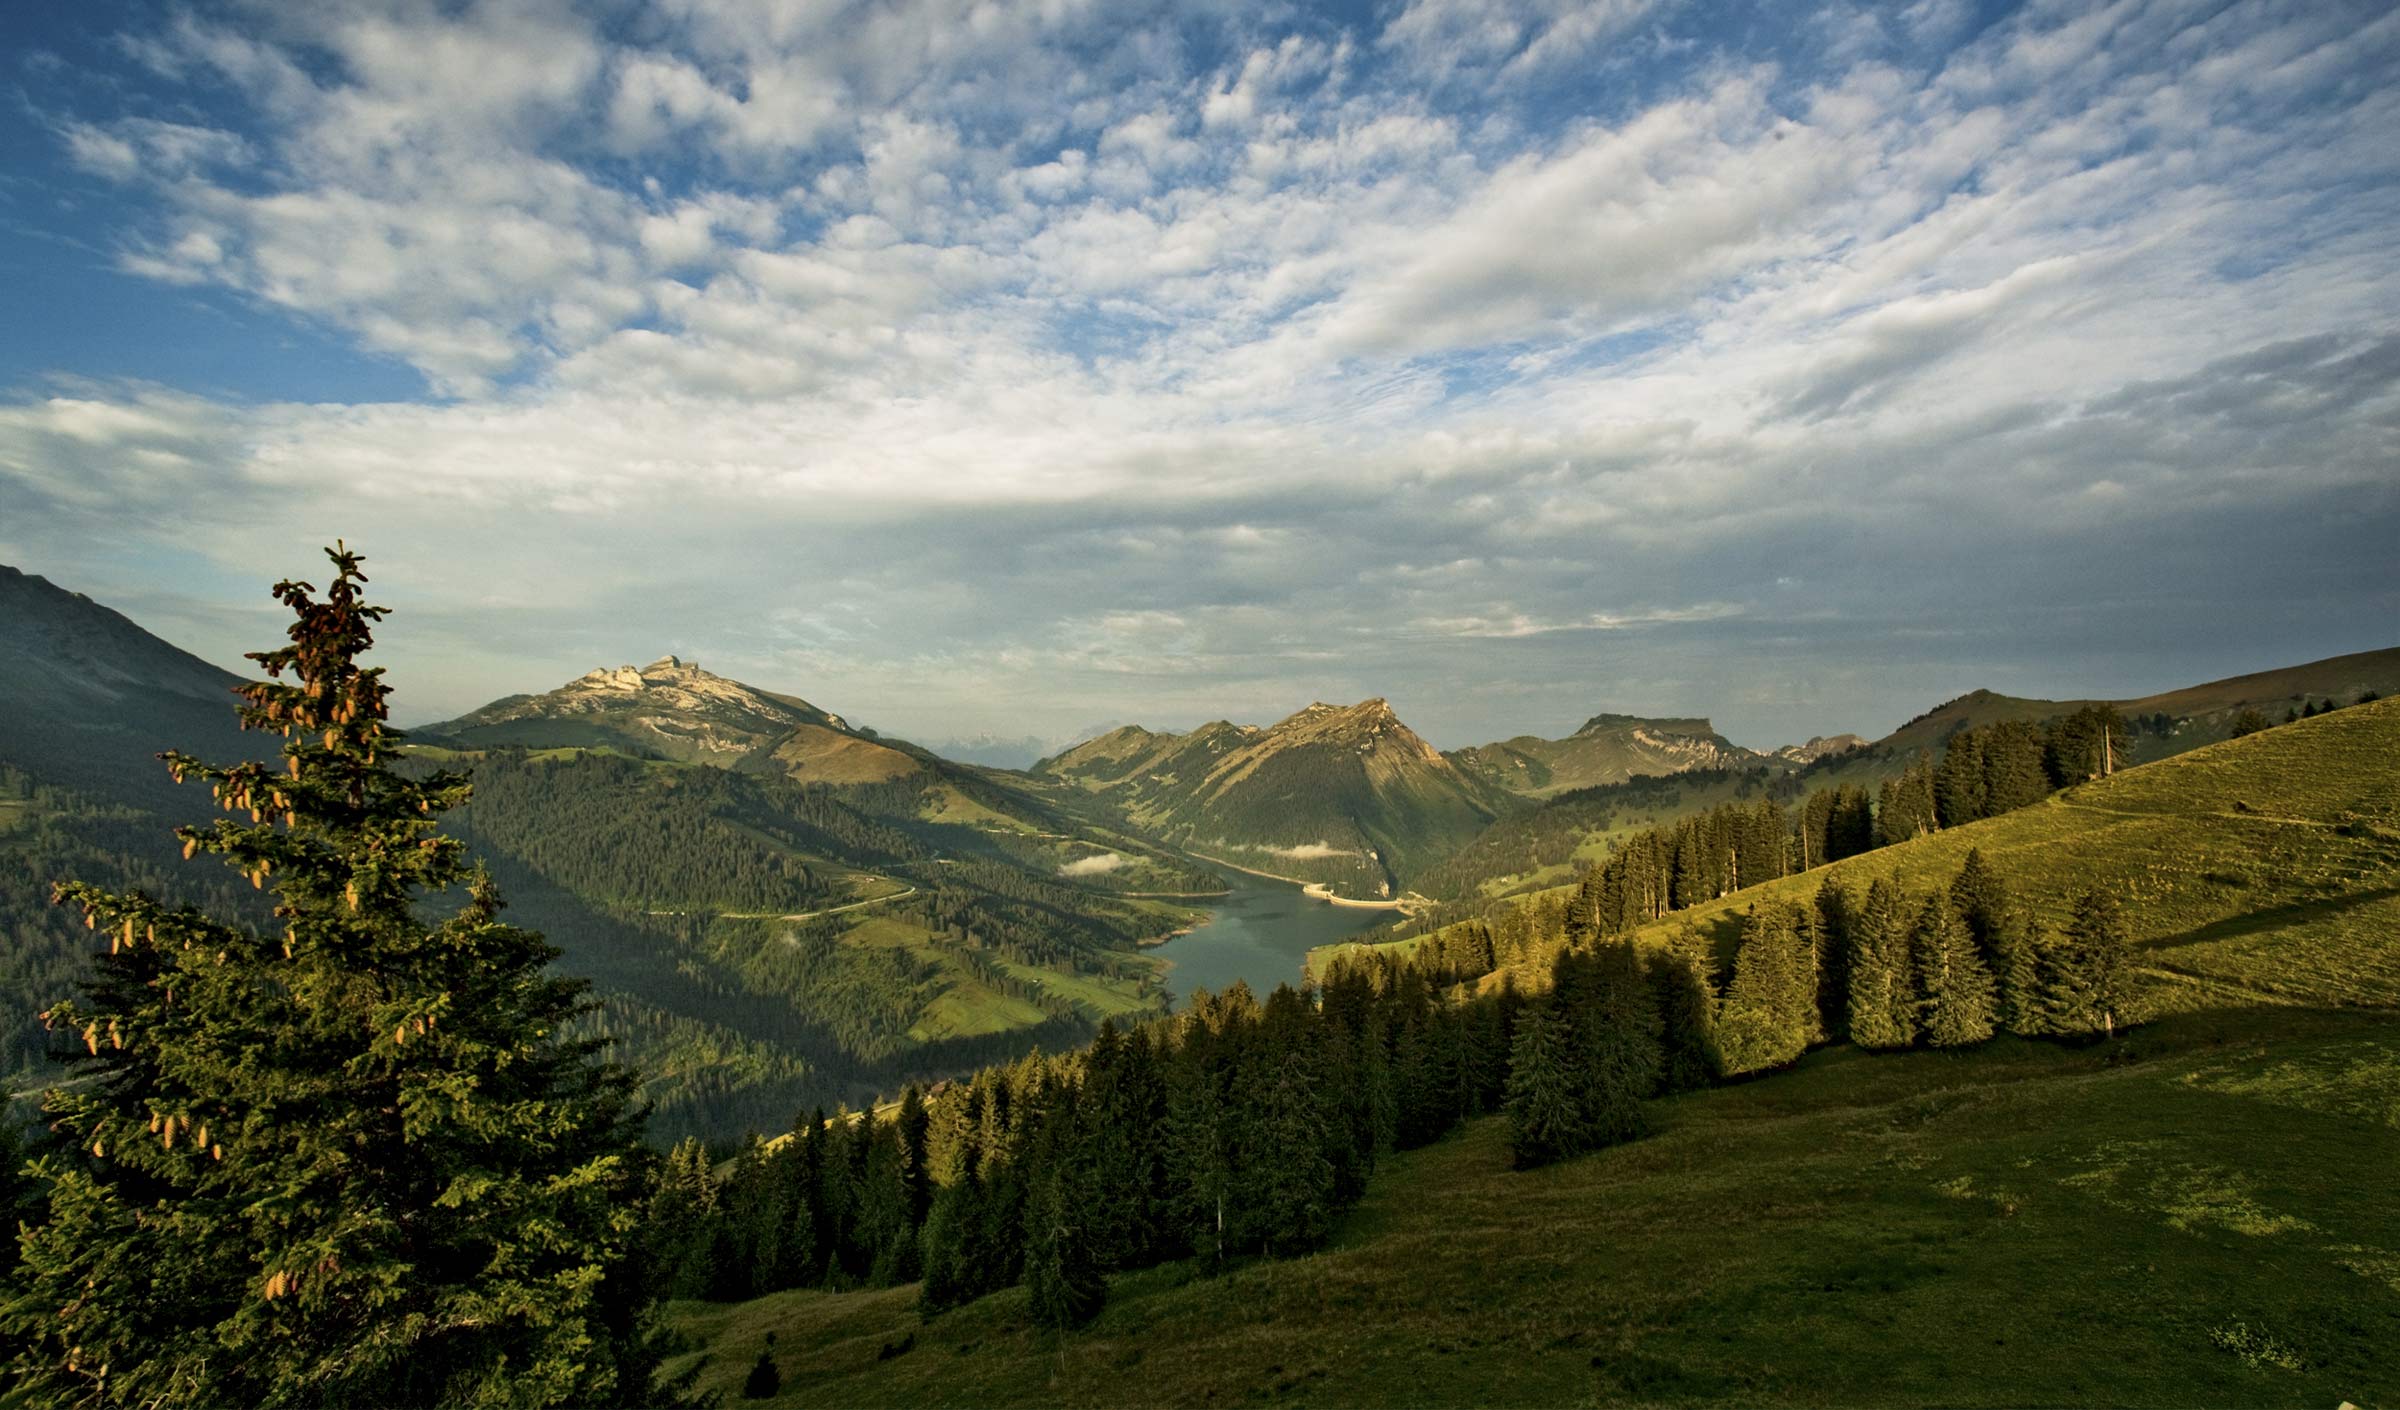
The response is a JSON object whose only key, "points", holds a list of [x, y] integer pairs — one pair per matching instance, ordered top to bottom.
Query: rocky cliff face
{"points": [[1820, 746]]}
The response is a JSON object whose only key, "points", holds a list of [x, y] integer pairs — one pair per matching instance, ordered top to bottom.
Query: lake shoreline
{"points": [[1314, 890]]}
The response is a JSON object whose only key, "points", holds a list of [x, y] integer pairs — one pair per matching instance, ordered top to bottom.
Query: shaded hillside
{"points": [[88, 699], [1607, 749], [1346, 796], [759, 944]]}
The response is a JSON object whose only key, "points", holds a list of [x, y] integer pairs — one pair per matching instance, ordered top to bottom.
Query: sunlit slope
{"points": [[2261, 869], [2199, 1215]]}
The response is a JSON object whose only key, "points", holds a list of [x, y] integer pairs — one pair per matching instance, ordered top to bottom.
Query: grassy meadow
{"points": [[2200, 1212], [2196, 1215]]}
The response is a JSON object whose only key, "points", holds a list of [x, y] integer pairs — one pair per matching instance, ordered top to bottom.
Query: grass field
{"points": [[2198, 1213]]}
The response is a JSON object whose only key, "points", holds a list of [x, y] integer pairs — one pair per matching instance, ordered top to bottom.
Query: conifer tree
{"points": [[1833, 908], [2002, 940], [2091, 969], [1954, 989], [1882, 997], [1769, 1009], [1614, 1036], [1689, 1054], [1545, 1117], [916, 1158], [351, 1160], [1288, 1183], [1063, 1276]]}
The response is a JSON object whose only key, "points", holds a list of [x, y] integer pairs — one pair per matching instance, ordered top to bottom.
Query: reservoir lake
{"points": [[1260, 933]]}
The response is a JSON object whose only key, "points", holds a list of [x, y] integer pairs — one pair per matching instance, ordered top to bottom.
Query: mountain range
{"points": [[1606, 749], [1346, 796], [778, 905]]}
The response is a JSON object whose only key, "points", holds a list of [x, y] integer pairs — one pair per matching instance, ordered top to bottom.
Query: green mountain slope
{"points": [[1606, 749], [1346, 796], [1539, 848], [2253, 870], [2195, 1213], [2192, 1218]]}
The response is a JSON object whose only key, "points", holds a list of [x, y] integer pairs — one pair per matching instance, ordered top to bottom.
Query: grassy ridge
{"points": [[2284, 843], [2199, 1213]]}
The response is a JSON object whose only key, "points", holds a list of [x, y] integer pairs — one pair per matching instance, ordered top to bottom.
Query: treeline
{"points": [[2252, 720], [1983, 771], [1551, 834], [1890, 970], [1238, 1128], [1233, 1129]]}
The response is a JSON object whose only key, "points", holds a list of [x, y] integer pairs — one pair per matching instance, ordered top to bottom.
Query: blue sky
{"points": [[996, 367]]}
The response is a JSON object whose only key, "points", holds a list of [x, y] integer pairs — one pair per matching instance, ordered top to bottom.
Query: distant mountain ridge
{"points": [[672, 709], [1820, 746], [1606, 749], [1347, 796]]}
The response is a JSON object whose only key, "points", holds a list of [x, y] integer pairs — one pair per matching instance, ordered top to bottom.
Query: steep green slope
{"points": [[1526, 850], [764, 946], [2195, 1213]]}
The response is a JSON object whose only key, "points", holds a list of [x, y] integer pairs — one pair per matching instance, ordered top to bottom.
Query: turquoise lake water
{"points": [[1260, 933]]}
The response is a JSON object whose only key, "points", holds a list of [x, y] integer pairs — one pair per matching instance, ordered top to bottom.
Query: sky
{"points": [[972, 367]]}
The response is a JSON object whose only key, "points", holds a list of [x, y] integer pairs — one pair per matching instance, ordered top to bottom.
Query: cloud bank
{"points": [[1001, 366]]}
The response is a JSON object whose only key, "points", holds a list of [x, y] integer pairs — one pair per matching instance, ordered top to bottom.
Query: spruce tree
{"points": [[1833, 907], [2003, 941], [2091, 969], [1954, 989], [1882, 998], [1766, 1019], [1614, 1035], [1689, 1052], [1545, 1114], [354, 1159], [1288, 1184], [1063, 1276]]}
